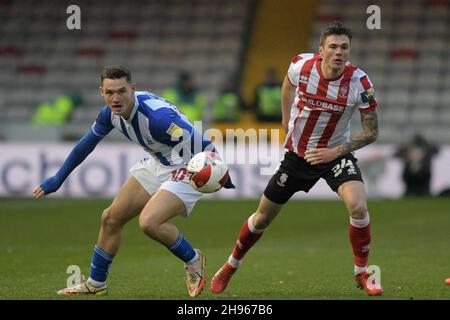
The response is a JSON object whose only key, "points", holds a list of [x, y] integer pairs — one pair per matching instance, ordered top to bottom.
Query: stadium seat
{"points": [[202, 36]]}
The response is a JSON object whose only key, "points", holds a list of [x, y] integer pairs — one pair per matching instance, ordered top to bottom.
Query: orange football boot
{"points": [[220, 280], [363, 282]]}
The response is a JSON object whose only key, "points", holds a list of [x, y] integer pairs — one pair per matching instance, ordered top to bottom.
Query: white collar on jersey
{"points": [[133, 112]]}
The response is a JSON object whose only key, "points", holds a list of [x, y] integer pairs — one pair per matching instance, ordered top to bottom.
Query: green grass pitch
{"points": [[305, 254]]}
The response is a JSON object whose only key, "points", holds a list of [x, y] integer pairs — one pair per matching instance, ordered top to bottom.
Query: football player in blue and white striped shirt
{"points": [[158, 188]]}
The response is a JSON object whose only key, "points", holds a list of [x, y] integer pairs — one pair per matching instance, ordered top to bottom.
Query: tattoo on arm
{"points": [[369, 122]]}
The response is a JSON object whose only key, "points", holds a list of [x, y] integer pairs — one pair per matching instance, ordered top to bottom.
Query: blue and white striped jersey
{"points": [[158, 126]]}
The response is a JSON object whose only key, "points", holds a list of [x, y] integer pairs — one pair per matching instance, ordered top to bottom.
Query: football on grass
{"points": [[208, 172]]}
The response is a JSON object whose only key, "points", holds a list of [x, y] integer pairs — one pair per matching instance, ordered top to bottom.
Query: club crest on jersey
{"points": [[343, 90], [368, 95], [175, 131], [282, 180]]}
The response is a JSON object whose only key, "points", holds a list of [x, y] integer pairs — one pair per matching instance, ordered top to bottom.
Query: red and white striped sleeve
{"points": [[294, 70], [366, 94]]}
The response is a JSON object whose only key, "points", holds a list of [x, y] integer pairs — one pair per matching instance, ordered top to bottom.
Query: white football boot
{"points": [[195, 275], [84, 288]]}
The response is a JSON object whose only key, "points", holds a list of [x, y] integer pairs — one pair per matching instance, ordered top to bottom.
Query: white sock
{"points": [[360, 223], [251, 226], [195, 257], [234, 262], [359, 270], [95, 283]]}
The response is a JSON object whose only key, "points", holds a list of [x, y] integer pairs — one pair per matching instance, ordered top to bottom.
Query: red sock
{"points": [[360, 239], [245, 241]]}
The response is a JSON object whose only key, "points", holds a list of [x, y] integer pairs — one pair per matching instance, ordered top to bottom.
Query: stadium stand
{"points": [[40, 58], [407, 59]]}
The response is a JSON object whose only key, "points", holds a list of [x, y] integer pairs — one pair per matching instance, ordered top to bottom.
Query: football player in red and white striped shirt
{"points": [[319, 95]]}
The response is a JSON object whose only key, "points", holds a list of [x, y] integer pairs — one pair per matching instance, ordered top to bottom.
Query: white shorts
{"points": [[152, 175]]}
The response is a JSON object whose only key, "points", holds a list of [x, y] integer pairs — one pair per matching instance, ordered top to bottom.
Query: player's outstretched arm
{"points": [[287, 99], [369, 122], [82, 149], [38, 192]]}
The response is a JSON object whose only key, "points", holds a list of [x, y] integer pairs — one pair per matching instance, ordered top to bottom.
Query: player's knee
{"points": [[358, 210], [265, 213], [109, 219], [261, 220], [149, 227]]}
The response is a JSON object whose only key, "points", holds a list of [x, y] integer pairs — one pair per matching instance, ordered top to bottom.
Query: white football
{"points": [[208, 172]]}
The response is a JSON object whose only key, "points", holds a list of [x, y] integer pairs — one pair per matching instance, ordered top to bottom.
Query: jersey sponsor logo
{"points": [[343, 90], [368, 95], [320, 105], [175, 131], [282, 180]]}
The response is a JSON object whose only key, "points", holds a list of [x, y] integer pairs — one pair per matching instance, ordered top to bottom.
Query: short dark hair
{"points": [[335, 28], [115, 72]]}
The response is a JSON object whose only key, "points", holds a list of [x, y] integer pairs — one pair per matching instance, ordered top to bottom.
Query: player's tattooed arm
{"points": [[369, 123], [369, 134]]}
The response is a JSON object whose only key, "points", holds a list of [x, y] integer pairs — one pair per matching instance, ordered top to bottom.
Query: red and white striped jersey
{"points": [[322, 109]]}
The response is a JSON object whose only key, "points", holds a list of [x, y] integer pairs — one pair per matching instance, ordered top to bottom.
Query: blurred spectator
{"points": [[186, 97], [268, 97], [227, 106], [57, 113], [417, 157], [445, 192]]}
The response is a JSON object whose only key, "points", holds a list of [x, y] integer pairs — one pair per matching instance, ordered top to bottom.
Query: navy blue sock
{"points": [[182, 249], [100, 263]]}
